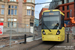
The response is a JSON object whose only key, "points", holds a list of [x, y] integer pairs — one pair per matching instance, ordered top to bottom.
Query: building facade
{"points": [[67, 7], [17, 11]]}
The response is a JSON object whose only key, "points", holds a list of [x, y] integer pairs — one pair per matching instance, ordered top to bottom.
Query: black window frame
{"points": [[62, 1], [9, 6], [68, 7], [63, 8], [9, 12], [68, 15], [62, 21], [31, 24]]}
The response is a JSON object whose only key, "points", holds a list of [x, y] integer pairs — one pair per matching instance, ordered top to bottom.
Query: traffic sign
{"points": [[1, 28]]}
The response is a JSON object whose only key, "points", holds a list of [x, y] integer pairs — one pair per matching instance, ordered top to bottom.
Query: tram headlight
{"points": [[44, 32], [58, 32]]}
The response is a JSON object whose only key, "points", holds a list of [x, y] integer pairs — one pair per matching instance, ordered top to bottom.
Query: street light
{"points": [[11, 30]]}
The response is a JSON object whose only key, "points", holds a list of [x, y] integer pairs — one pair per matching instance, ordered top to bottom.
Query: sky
{"points": [[38, 8]]}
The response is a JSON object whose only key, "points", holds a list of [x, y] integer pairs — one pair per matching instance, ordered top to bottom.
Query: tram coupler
{"points": [[68, 38], [25, 39]]}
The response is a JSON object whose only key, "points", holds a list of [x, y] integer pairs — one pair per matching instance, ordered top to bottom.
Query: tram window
{"points": [[62, 21]]}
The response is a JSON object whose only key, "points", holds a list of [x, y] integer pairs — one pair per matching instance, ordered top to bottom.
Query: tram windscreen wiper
{"points": [[47, 27]]}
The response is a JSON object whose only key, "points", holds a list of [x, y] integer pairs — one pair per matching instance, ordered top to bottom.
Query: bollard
{"points": [[74, 36], [68, 38], [25, 39]]}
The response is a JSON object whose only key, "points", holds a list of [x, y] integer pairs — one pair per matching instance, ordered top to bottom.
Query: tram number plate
{"points": [[49, 33]]}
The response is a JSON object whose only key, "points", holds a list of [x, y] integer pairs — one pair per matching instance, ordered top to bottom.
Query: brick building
{"points": [[68, 10], [19, 11]]}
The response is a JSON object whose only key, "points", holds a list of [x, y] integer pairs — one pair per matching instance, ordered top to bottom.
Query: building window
{"points": [[1, 0], [13, 0], [28, 0], [32, 1], [62, 1], [67, 1], [3, 6], [9, 6], [12, 6], [15, 7], [28, 7], [68, 7], [32, 8], [63, 8], [2, 11], [12, 11], [8, 12], [15, 12], [28, 12], [32, 13], [67, 14], [1, 19], [9, 19], [12, 19], [15, 19], [8, 24], [14, 24], [31, 24]]}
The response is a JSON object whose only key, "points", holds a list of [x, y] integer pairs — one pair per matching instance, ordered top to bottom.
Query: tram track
{"points": [[33, 46], [37, 47], [51, 47]]}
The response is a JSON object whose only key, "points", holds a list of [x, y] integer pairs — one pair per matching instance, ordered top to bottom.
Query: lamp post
{"points": [[33, 30], [11, 31]]}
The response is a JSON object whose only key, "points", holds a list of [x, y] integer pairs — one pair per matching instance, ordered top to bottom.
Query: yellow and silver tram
{"points": [[53, 25]]}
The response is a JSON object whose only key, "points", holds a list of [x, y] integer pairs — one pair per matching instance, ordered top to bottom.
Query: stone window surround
{"points": [[32, 7], [12, 8]]}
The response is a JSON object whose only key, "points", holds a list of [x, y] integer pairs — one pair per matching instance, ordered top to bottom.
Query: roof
{"points": [[53, 10]]}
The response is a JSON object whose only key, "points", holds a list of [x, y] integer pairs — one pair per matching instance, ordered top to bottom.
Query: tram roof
{"points": [[53, 10]]}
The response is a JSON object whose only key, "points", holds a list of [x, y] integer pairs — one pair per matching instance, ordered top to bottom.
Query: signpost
{"points": [[1, 28]]}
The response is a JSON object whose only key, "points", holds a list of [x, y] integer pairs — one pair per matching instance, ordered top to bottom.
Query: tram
{"points": [[53, 26]]}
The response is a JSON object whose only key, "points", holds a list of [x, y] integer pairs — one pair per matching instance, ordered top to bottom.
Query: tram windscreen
{"points": [[51, 22]]}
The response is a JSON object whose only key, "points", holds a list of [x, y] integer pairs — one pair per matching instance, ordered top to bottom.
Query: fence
{"points": [[71, 30], [14, 33], [70, 34]]}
